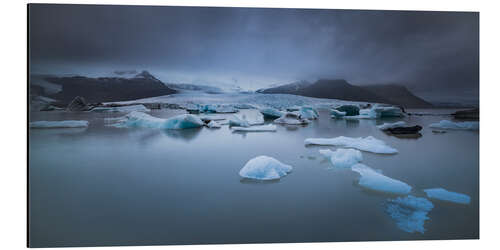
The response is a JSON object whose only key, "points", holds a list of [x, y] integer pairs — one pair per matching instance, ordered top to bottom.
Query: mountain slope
{"points": [[108, 89], [398, 95]]}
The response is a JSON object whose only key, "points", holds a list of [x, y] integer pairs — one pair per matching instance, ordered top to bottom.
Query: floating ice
{"points": [[213, 108], [124, 109], [350, 110], [307, 112], [377, 112], [271, 113], [337, 114], [211, 118], [252, 118], [291, 118], [143, 120], [238, 122], [59, 124], [213, 124], [445, 124], [386, 126], [263, 128], [369, 144], [343, 158], [264, 168], [376, 181], [445, 195], [410, 212]]}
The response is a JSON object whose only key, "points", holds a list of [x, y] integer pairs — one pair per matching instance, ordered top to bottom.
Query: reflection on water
{"points": [[118, 186]]}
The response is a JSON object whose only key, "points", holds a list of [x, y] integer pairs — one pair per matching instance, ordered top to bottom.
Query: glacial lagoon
{"points": [[104, 185]]}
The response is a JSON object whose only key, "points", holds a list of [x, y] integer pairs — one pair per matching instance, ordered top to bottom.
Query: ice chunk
{"points": [[213, 108], [124, 109], [350, 110], [377, 111], [307, 112], [271, 113], [337, 114], [211, 118], [291, 118], [143, 120], [238, 122], [59, 124], [213, 124], [446, 124], [386, 126], [263, 128], [368, 144], [343, 158], [264, 168], [376, 181], [445, 195], [410, 212]]}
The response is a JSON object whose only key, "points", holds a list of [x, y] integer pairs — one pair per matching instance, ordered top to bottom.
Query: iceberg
{"points": [[213, 108], [124, 109], [350, 110], [377, 111], [271, 113], [309, 113], [337, 114], [211, 118], [291, 118], [142, 120], [238, 122], [59, 124], [213, 124], [446, 124], [386, 126], [263, 128], [368, 144], [343, 158], [264, 168], [376, 181], [445, 195], [410, 212]]}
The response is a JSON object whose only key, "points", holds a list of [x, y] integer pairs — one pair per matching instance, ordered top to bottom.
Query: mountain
{"points": [[108, 89], [342, 90]]}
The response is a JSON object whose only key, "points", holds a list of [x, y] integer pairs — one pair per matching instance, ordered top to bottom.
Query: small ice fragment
{"points": [[271, 113], [291, 118], [238, 122], [59, 124], [213, 124], [446, 124], [386, 126], [263, 128], [369, 144], [343, 158], [264, 168], [376, 181], [445, 195], [410, 212]]}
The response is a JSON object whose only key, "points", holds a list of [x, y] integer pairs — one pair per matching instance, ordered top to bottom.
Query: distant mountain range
{"points": [[106, 89], [342, 90]]}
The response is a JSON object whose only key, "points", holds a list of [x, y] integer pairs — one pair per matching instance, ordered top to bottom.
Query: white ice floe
{"points": [[215, 108], [124, 109], [307, 112], [271, 113], [337, 114], [252, 118], [291, 118], [143, 120], [238, 122], [59, 124], [213, 124], [446, 124], [386, 126], [263, 128], [368, 144], [342, 158], [264, 168], [376, 181], [445, 195], [410, 212]]}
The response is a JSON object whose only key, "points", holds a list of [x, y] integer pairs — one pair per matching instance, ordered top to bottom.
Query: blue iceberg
{"points": [[264, 168]]}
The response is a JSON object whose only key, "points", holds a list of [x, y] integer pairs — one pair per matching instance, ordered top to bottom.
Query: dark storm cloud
{"points": [[424, 50]]}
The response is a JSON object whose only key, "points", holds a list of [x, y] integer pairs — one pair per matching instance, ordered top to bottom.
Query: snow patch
{"points": [[368, 144], [264, 168]]}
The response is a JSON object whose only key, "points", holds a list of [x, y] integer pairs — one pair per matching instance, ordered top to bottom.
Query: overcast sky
{"points": [[428, 51]]}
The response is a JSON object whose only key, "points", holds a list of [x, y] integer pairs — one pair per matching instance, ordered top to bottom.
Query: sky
{"points": [[432, 53]]}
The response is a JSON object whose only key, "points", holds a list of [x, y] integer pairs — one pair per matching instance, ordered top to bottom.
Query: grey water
{"points": [[103, 186]]}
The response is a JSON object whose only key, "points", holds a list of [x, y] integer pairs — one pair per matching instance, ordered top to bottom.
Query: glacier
{"points": [[143, 120], [60, 124], [446, 124], [386, 126], [263, 128], [368, 144], [342, 158], [264, 168], [376, 181], [445, 195], [410, 212]]}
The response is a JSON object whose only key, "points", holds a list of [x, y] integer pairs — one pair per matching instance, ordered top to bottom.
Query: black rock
{"points": [[78, 104], [404, 130]]}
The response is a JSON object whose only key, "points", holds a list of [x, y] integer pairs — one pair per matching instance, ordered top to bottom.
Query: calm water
{"points": [[115, 186]]}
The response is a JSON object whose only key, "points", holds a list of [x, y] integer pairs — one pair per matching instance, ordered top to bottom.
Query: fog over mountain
{"points": [[432, 53]]}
